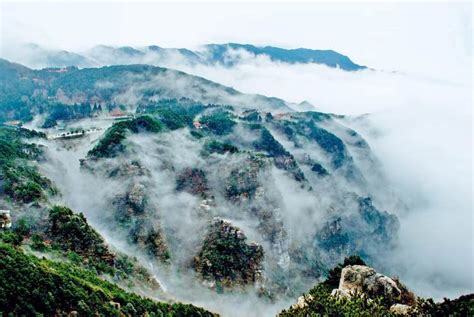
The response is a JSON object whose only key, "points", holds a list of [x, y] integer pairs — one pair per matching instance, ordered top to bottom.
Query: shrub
{"points": [[218, 122], [112, 142], [215, 146]]}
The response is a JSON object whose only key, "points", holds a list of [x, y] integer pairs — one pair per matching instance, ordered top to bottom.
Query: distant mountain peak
{"points": [[209, 54], [299, 55]]}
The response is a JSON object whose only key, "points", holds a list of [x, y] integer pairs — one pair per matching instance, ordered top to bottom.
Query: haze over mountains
{"points": [[211, 54], [199, 181], [216, 192]]}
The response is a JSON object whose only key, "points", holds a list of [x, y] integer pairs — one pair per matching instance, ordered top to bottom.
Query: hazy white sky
{"points": [[425, 38]]}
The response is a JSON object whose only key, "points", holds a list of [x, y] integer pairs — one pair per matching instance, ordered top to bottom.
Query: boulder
{"points": [[360, 280], [340, 293], [302, 302], [400, 309]]}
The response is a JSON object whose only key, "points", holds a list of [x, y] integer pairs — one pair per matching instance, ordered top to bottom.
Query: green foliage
{"points": [[59, 111], [173, 113], [252, 116], [317, 116], [173, 119], [218, 122], [49, 123], [14, 134], [196, 134], [112, 142], [329, 142], [267, 143], [215, 146], [13, 147], [282, 158], [319, 169], [21, 180], [23, 183], [72, 233], [17, 234], [11, 237], [38, 244], [225, 255], [74, 257], [32, 287], [319, 301], [323, 304], [460, 307]]}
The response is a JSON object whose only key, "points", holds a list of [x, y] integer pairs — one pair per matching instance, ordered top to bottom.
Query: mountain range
{"points": [[226, 55], [134, 189]]}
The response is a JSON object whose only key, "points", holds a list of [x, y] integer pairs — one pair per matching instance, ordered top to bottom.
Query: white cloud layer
{"points": [[421, 130]]}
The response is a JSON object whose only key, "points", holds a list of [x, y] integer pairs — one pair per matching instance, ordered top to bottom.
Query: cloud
{"points": [[420, 129]]}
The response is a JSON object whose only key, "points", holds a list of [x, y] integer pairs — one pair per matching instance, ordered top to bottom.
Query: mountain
{"points": [[219, 53], [227, 55], [25, 92], [127, 188], [231, 191]]}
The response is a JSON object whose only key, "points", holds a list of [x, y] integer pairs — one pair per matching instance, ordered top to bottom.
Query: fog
{"points": [[420, 129], [420, 132]]}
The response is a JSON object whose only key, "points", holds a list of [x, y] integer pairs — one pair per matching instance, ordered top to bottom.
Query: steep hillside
{"points": [[159, 179], [149, 181], [52, 261], [41, 286]]}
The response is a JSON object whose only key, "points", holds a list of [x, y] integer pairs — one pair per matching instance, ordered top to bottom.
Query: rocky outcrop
{"points": [[129, 169], [193, 181], [242, 183], [131, 204], [131, 211], [384, 226], [361, 232], [226, 259], [361, 280], [302, 302], [400, 309]]}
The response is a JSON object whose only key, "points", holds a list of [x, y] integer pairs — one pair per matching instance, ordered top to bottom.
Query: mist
{"points": [[420, 130]]}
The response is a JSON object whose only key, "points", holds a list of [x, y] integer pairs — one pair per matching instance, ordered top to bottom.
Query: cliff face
{"points": [[294, 180], [130, 210], [227, 260]]}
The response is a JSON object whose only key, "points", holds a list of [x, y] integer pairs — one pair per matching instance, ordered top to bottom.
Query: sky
{"points": [[429, 39]]}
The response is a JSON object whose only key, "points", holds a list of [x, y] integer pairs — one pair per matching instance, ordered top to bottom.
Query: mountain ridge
{"points": [[226, 54]]}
